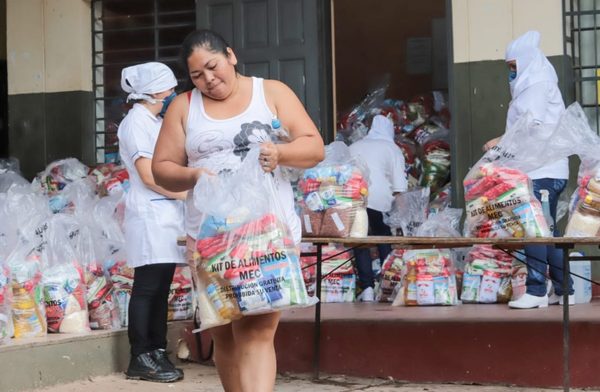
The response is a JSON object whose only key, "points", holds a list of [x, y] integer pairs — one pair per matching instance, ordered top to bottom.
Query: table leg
{"points": [[317, 332], [566, 337]]}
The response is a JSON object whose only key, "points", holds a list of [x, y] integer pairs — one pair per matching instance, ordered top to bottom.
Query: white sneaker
{"points": [[367, 295], [556, 299], [528, 301]]}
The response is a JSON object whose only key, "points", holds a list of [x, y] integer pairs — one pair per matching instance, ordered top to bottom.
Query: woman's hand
{"points": [[491, 144], [268, 157], [199, 172]]}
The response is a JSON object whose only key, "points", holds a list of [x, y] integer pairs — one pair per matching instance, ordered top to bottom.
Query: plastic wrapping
{"points": [[355, 124], [411, 154], [9, 165], [58, 174], [9, 179], [110, 179], [76, 195], [334, 195], [500, 203], [409, 211], [28, 213], [445, 223], [247, 261], [391, 275], [487, 276], [121, 277], [428, 278], [63, 280], [336, 286], [180, 295], [28, 310], [6, 323]]}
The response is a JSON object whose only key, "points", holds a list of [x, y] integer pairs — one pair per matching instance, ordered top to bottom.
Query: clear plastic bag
{"points": [[355, 124], [9, 165], [58, 174], [9, 179], [334, 195], [409, 211], [445, 223], [246, 260], [391, 276], [487, 276], [428, 278], [63, 280], [340, 283], [180, 295], [28, 310], [6, 323]]}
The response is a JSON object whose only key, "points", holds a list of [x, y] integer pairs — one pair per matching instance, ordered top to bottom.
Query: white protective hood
{"points": [[532, 66], [148, 78], [382, 128]]}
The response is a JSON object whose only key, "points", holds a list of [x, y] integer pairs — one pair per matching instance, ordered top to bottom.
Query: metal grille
{"points": [[125, 33], [581, 43]]}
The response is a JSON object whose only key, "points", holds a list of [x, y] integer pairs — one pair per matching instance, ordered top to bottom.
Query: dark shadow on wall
{"points": [[3, 84], [3, 110]]}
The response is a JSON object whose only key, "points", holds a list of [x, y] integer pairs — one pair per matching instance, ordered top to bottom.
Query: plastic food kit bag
{"points": [[58, 174], [334, 195], [409, 211], [246, 261], [391, 276], [488, 276], [428, 278], [339, 280], [63, 281], [180, 295], [28, 310], [6, 324]]}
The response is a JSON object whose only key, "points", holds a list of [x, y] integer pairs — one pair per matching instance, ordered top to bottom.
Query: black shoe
{"points": [[161, 357], [145, 367]]}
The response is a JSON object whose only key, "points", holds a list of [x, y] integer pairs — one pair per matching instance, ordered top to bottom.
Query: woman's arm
{"points": [[306, 146], [169, 162], [144, 169]]}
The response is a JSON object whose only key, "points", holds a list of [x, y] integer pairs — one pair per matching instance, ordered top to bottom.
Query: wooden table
{"points": [[564, 243]]}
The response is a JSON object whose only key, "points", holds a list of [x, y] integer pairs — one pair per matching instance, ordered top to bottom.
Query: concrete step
{"points": [[62, 358]]}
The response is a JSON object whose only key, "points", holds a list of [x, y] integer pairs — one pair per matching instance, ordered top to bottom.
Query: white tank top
{"points": [[222, 145]]}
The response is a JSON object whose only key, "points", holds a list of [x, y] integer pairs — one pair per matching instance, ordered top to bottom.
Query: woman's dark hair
{"points": [[206, 39]]}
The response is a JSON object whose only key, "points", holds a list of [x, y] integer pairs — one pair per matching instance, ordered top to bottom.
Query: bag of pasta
{"points": [[246, 260]]}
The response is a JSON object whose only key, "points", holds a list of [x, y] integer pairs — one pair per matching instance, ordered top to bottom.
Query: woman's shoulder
{"points": [[273, 86]]}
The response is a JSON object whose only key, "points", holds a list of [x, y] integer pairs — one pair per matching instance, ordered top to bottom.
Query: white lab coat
{"points": [[535, 90], [152, 221]]}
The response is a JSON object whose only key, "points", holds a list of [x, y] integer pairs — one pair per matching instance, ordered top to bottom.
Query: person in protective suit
{"points": [[534, 88]]}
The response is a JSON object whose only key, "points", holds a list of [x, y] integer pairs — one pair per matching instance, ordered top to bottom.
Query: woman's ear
{"points": [[231, 56]]}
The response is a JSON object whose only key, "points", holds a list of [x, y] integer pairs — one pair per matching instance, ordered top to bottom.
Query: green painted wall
{"points": [[44, 127]]}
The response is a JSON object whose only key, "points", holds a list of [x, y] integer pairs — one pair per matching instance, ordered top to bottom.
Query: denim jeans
{"points": [[364, 264], [536, 281]]}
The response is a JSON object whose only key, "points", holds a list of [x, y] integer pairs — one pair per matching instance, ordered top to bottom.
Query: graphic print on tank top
{"points": [[219, 147]]}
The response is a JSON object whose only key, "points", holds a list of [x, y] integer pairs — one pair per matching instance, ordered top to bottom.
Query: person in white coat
{"points": [[534, 89], [387, 176], [153, 221]]}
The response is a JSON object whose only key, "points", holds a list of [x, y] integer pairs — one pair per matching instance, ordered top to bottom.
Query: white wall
{"points": [[483, 28], [48, 46]]}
